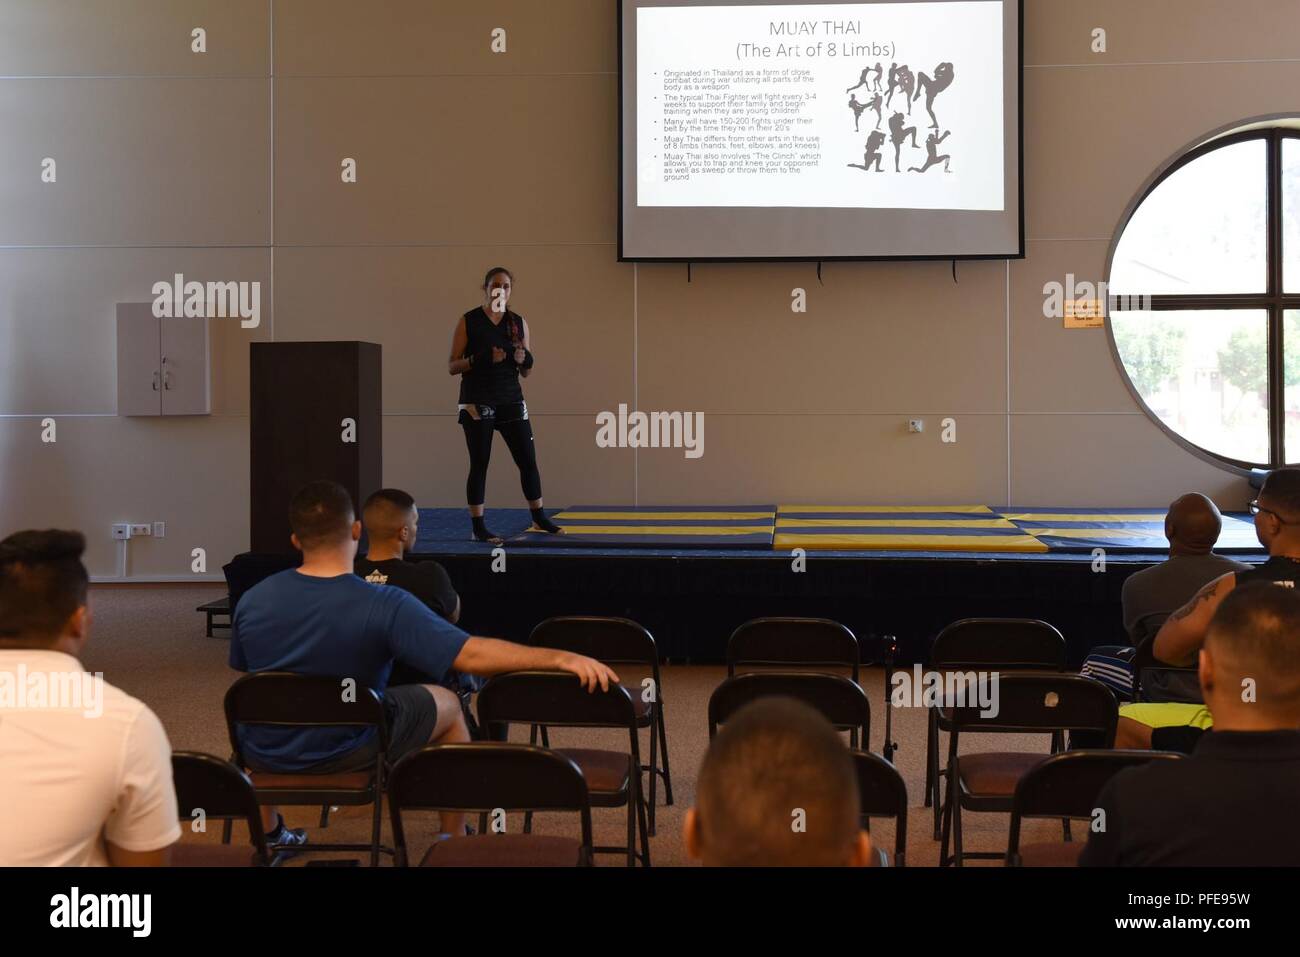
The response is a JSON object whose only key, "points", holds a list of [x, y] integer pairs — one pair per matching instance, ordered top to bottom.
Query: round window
{"points": [[1204, 291]]}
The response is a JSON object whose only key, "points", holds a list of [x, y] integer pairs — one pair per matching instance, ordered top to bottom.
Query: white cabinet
{"points": [[163, 365]]}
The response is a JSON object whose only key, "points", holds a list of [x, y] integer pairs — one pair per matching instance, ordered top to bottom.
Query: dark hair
{"points": [[487, 280], [1282, 486], [392, 496], [321, 513], [386, 513], [42, 582], [1257, 627], [772, 757]]}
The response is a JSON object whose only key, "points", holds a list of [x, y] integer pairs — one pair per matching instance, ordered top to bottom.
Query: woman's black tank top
{"points": [[495, 383]]}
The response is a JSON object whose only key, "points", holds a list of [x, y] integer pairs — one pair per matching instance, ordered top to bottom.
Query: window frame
{"points": [[1274, 300]]}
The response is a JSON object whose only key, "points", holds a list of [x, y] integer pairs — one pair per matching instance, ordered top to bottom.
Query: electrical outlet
{"points": [[916, 425], [159, 529], [142, 530], [121, 531]]}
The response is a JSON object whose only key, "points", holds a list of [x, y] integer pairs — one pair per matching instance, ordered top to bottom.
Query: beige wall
{"points": [[221, 167]]}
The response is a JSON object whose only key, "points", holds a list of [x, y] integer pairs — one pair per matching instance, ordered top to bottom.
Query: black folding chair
{"points": [[618, 641], [781, 642], [795, 643], [985, 644], [558, 699], [285, 700], [840, 700], [1026, 702], [494, 778], [1066, 785], [210, 789], [882, 793]]}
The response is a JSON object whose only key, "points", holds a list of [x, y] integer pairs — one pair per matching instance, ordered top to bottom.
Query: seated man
{"points": [[392, 522], [1277, 525], [1192, 526], [321, 619], [85, 770], [777, 789], [1232, 803]]}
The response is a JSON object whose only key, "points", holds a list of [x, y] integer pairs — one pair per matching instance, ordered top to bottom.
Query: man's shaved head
{"points": [[386, 513], [1193, 524], [1255, 635], [774, 759]]}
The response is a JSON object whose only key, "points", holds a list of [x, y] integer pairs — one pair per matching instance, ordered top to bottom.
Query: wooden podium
{"points": [[316, 412]]}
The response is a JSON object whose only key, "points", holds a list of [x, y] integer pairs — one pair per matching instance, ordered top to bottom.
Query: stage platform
{"points": [[692, 574]]}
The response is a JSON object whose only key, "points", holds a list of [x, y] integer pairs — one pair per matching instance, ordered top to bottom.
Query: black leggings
{"points": [[519, 439]]}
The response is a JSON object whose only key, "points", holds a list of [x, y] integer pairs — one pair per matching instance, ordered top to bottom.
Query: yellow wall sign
{"points": [[1083, 314]]}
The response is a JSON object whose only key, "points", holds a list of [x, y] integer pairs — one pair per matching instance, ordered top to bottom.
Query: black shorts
{"points": [[412, 715], [1182, 738]]}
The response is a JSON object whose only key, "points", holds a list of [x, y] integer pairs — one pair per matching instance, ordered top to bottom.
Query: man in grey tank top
{"points": [[1192, 525]]}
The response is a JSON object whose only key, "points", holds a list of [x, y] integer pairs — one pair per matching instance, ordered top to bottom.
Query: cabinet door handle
{"points": [[167, 380], [155, 381]]}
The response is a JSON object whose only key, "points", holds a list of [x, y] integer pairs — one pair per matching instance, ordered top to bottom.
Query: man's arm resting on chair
{"points": [[1183, 633], [491, 656]]}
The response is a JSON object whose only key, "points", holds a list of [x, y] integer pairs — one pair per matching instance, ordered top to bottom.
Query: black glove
{"points": [[528, 360]]}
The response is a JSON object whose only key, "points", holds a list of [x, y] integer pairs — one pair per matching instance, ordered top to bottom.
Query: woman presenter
{"points": [[489, 351]]}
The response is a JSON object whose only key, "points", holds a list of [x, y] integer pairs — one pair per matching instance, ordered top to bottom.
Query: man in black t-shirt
{"points": [[392, 521], [1232, 803]]}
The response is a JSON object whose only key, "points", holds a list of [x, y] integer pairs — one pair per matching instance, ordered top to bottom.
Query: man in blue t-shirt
{"points": [[321, 619]]}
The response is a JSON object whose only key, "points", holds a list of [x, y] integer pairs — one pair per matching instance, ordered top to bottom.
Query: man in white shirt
{"points": [[85, 769]]}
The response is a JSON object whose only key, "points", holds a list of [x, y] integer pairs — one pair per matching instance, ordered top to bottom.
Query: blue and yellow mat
{"points": [[659, 526], [922, 528], [1117, 529], [900, 530]]}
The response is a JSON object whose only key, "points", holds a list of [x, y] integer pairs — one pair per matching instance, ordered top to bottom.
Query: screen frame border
{"points": [[937, 257]]}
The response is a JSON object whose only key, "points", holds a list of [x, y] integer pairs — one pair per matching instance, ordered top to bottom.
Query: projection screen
{"points": [[888, 129]]}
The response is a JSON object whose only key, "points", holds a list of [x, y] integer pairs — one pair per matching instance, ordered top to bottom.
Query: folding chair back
{"points": [[615, 641], [618, 641], [804, 642], [1001, 644], [1009, 644], [1159, 683], [554, 698], [558, 699], [286, 700], [841, 701], [1019, 702], [1028, 702], [487, 777], [1067, 785], [218, 791], [882, 793]]}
